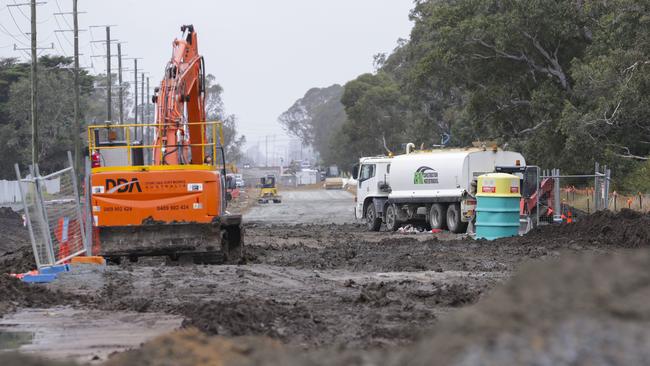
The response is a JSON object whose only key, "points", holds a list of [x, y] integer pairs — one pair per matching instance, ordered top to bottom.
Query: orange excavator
{"points": [[164, 192]]}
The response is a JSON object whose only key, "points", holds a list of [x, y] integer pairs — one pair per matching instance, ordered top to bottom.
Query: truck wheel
{"points": [[437, 216], [391, 218], [454, 219], [373, 221]]}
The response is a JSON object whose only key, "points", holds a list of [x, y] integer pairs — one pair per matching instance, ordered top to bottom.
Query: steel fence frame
{"points": [[602, 182], [55, 235]]}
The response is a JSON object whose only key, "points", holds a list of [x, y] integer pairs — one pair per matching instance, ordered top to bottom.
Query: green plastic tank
{"points": [[497, 208]]}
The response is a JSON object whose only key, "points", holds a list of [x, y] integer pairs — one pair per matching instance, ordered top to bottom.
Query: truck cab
{"points": [[372, 189]]}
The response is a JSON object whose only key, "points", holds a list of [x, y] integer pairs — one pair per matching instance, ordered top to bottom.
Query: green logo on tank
{"points": [[425, 175]]}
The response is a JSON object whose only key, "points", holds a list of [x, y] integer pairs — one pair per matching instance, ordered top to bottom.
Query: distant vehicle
{"points": [[305, 164], [247, 166], [333, 178], [239, 180], [269, 190]]}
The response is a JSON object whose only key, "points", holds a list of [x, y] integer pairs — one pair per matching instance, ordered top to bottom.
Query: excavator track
{"points": [[214, 243]]}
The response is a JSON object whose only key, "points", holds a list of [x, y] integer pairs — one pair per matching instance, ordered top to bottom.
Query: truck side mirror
{"points": [[355, 171]]}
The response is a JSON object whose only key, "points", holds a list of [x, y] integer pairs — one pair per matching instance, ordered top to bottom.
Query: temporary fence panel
{"points": [[567, 198], [54, 215]]}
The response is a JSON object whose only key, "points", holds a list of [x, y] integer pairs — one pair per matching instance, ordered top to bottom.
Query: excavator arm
{"points": [[181, 100]]}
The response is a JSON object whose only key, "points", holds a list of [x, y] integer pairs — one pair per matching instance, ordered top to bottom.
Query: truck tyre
{"points": [[438, 216], [391, 218], [454, 219], [373, 221]]}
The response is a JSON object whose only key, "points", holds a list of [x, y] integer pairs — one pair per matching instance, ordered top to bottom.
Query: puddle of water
{"points": [[13, 340]]}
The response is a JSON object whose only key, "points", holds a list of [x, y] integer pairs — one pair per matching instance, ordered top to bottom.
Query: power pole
{"points": [[34, 76], [109, 77], [119, 80], [109, 81], [135, 85], [34, 87], [148, 99], [142, 107], [77, 109], [77, 119], [266, 138]]}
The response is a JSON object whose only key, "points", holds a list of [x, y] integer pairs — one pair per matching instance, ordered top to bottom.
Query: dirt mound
{"points": [[625, 229], [13, 235], [15, 248], [19, 261], [15, 293], [578, 310], [250, 317], [191, 347], [18, 359]]}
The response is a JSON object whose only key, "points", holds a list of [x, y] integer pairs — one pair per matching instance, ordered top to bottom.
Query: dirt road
{"points": [[306, 207], [323, 283]]}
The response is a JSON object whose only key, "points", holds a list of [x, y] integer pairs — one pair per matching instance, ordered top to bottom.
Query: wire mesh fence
{"points": [[568, 198], [54, 215]]}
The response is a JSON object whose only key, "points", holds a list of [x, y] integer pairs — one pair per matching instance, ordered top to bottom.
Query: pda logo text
{"points": [[121, 185]]}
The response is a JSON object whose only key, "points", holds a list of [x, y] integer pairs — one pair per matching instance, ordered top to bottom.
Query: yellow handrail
{"points": [[129, 146]]}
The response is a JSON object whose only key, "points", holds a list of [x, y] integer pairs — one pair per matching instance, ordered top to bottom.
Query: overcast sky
{"points": [[266, 54]]}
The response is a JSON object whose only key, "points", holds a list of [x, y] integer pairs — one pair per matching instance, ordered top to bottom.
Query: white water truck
{"points": [[435, 186]]}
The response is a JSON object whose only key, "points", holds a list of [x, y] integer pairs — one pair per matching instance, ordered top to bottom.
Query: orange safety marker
{"points": [[569, 219], [62, 235], [89, 260]]}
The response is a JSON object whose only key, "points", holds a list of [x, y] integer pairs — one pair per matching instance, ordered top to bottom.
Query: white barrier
{"points": [[10, 192]]}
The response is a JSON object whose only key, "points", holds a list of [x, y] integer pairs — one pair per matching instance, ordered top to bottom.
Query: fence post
{"points": [[608, 175], [596, 186], [77, 201], [640, 202], [537, 203], [557, 208], [89, 209], [27, 218], [45, 224]]}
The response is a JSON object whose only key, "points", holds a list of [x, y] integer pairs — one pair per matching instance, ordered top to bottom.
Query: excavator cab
{"points": [[268, 190]]}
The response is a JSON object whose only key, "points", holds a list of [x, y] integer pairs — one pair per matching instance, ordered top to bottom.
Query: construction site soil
{"points": [[336, 294]]}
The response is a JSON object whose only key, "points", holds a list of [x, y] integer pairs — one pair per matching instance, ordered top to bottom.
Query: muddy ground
{"points": [[389, 298]]}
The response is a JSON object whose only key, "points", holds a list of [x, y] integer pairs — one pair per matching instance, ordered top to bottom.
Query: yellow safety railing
{"points": [[216, 134]]}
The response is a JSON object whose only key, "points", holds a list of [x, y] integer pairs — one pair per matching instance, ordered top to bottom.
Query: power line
{"points": [[16, 23], [6, 31]]}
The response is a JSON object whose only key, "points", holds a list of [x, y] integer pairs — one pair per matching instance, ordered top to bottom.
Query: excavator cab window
{"points": [[268, 182]]}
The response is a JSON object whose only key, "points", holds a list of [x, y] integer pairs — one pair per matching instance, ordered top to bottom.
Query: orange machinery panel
{"points": [[126, 198]]}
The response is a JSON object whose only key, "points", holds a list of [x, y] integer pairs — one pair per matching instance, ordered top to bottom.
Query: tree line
{"points": [[564, 82], [56, 114]]}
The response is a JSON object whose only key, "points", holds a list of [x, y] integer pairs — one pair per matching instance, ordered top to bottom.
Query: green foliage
{"points": [[564, 82], [215, 111], [55, 113], [315, 118], [638, 180]]}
